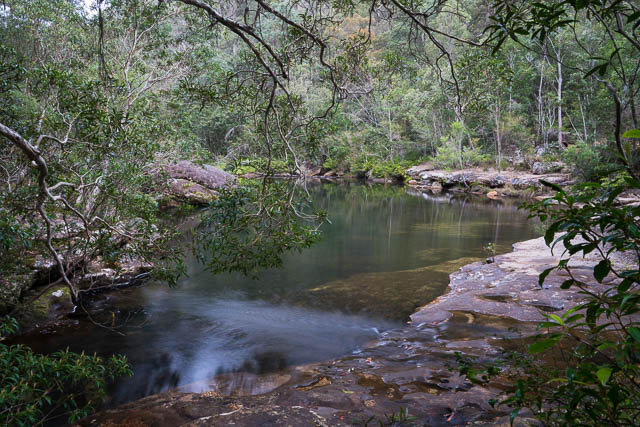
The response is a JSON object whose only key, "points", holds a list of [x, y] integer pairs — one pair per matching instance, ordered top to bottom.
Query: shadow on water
{"points": [[385, 253]]}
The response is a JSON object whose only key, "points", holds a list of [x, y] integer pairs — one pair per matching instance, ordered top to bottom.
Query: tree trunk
{"points": [[559, 94], [541, 130], [498, 136]]}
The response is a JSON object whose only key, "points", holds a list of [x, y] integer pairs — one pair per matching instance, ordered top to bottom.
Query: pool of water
{"points": [[385, 253]]}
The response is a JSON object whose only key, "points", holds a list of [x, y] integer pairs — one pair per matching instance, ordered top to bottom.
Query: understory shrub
{"points": [[448, 157], [587, 161], [259, 165], [377, 168], [36, 388]]}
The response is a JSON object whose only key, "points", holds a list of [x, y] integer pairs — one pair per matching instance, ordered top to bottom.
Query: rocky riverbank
{"points": [[181, 182], [493, 183], [403, 370]]}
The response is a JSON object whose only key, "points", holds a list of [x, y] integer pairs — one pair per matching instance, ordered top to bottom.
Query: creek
{"points": [[385, 253]]}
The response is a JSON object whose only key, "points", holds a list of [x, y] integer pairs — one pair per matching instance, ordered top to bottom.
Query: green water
{"points": [[385, 253]]}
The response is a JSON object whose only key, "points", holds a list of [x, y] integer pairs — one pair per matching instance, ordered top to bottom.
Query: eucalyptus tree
{"points": [[612, 57]]}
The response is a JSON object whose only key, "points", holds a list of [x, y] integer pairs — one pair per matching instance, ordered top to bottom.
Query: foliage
{"points": [[453, 154], [449, 158], [587, 161], [259, 165], [377, 168], [250, 227], [12, 233], [599, 339], [37, 388]]}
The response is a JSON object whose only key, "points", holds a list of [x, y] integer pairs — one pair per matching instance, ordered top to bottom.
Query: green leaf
{"points": [[633, 17], [632, 133], [551, 185], [550, 233], [601, 270], [544, 275], [567, 284], [557, 318], [635, 333], [544, 344], [603, 375], [513, 415]]}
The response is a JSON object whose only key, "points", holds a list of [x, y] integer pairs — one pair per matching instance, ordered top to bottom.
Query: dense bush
{"points": [[448, 157], [588, 162], [260, 166], [36, 388]]}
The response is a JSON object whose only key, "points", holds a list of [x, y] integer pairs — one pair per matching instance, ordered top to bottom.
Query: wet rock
{"points": [[507, 183], [376, 293], [317, 382]]}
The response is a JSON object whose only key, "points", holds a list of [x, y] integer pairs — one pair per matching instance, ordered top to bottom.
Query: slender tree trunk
{"points": [[559, 94], [584, 122], [390, 128], [541, 130], [498, 136]]}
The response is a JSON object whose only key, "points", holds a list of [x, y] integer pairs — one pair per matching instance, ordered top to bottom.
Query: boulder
{"points": [[542, 168], [415, 170], [314, 172], [205, 175], [433, 176], [195, 184], [191, 192], [493, 195]]}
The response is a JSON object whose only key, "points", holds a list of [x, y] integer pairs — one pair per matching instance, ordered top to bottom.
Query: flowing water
{"points": [[385, 253]]}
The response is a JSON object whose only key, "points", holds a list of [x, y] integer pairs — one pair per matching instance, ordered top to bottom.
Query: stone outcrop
{"points": [[505, 183], [195, 184], [508, 287]]}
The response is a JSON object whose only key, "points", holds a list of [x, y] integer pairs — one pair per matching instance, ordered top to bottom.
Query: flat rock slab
{"points": [[509, 286]]}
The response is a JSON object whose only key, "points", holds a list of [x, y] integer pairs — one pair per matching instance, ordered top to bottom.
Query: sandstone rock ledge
{"points": [[476, 180], [195, 184], [509, 288], [408, 368]]}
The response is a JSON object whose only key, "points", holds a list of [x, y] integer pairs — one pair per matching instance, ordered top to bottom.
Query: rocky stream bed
{"points": [[407, 369]]}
